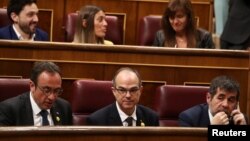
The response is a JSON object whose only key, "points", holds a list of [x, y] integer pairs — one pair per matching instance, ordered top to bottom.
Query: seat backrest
{"points": [[4, 19], [70, 26], [148, 26], [114, 29], [13, 87], [89, 96], [170, 100]]}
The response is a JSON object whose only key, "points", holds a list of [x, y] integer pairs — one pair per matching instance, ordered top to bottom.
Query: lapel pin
{"points": [[57, 118], [142, 123]]}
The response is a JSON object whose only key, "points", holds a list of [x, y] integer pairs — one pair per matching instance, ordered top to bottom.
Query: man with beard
{"points": [[24, 17], [41, 105], [222, 107]]}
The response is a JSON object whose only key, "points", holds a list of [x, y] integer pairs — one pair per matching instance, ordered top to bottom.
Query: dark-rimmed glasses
{"points": [[48, 91], [123, 91]]}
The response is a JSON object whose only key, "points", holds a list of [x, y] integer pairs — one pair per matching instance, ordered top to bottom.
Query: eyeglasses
{"points": [[48, 91], [123, 91]]}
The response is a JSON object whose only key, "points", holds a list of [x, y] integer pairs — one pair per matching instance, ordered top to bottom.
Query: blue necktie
{"points": [[44, 114]]}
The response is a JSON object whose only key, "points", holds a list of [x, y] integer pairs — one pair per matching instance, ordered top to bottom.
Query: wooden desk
{"points": [[156, 65], [81, 133]]}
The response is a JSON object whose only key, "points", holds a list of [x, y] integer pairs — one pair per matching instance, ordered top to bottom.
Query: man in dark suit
{"points": [[23, 14], [236, 33], [40, 106], [221, 108], [125, 111]]}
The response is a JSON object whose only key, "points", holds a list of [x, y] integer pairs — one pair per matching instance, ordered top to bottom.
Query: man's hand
{"points": [[220, 118]]}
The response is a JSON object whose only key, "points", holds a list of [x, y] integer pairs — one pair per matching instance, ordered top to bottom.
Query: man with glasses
{"points": [[42, 105], [125, 111]]}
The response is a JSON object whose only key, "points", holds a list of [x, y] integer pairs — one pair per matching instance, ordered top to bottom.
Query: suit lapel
{"points": [[13, 33], [56, 115], [114, 117], [204, 117], [140, 118], [26, 119]]}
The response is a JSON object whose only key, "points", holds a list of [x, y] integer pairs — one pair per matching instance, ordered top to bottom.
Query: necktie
{"points": [[44, 114], [129, 120]]}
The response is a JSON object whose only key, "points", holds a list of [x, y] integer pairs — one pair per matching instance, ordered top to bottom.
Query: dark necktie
{"points": [[44, 114], [129, 120]]}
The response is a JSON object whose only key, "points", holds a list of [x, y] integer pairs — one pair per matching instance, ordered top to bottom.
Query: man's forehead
{"points": [[221, 91]]}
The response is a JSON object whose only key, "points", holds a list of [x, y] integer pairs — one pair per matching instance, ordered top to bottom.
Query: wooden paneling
{"points": [[3, 3], [58, 7], [46, 25], [156, 65], [88, 133]]}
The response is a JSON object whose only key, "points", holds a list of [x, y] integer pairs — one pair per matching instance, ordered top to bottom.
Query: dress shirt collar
{"points": [[19, 36], [210, 115], [124, 116]]}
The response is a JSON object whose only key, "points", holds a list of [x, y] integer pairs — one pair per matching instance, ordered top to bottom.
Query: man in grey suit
{"points": [[40, 106], [125, 111]]}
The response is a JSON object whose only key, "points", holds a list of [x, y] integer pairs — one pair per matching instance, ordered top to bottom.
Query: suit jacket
{"points": [[237, 29], [8, 33], [203, 39], [17, 111], [109, 116], [196, 116]]}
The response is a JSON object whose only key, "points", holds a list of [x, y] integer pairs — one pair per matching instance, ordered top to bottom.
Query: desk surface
{"points": [[88, 133]]}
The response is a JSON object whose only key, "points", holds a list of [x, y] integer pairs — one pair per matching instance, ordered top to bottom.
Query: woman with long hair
{"points": [[91, 26], [179, 28]]}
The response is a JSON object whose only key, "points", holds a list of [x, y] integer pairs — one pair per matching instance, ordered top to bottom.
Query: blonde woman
{"points": [[91, 26]]}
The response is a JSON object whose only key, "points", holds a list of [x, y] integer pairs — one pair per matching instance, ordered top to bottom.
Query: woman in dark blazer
{"points": [[179, 28]]}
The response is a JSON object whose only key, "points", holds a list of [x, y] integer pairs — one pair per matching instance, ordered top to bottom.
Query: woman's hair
{"points": [[190, 28], [87, 34]]}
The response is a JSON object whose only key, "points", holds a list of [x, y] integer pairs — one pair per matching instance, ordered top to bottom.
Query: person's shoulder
{"points": [[5, 28], [39, 30], [4, 31], [202, 31], [160, 33], [41, 35], [107, 42], [61, 100], [13, 101], [195, 109], [146, 110], [103, 111]]}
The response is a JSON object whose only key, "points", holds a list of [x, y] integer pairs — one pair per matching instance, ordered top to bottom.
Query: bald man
{"points": [[125, 111]]}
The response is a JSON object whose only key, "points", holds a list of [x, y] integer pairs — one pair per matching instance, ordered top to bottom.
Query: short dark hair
{"points": [[17, 6], [43, 66], [127, 69], [225, 83]]}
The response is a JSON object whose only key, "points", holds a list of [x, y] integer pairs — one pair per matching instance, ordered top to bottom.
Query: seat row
{"points": [[116, 27], [91, 95]]}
